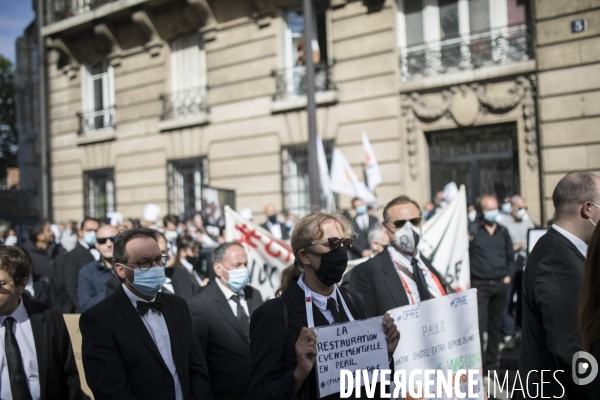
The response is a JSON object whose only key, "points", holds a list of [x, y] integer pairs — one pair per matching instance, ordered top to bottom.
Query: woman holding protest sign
{"points": [[283, 341]]}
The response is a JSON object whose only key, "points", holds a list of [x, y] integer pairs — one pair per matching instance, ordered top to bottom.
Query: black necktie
{"points": [[420, 280], [144, 306], [332, 306], [241, 315], [16, 371]]}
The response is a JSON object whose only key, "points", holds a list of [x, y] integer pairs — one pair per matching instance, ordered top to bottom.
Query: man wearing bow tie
{"points": [[138, 343]]}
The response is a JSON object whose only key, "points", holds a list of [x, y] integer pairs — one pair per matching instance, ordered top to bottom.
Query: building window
{"points": [[440, 36], [188, 78], [291, 80], [97, 98], [185, 179], [295, 180], [99, 192]]}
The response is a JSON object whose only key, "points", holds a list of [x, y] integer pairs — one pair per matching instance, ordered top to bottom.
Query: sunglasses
{"points": [[399, 223], [103, 240], [335, 243]]}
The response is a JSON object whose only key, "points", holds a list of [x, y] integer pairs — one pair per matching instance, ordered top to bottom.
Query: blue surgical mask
{"points": [[506, 208], [360, 210], [491, 215], [289, 224], [89, 237], [238, 278], [148, 282]]}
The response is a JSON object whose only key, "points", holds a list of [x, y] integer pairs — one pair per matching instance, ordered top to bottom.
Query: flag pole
{"points": [[313, 169]]}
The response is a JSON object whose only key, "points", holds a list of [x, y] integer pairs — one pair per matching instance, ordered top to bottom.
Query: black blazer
{"points": [[361, 242], [74, 260], [183, 282], [378, 282], [551, 289], [45, 291], [226, 347], [273, 359], [121, 360], [59, 378]]}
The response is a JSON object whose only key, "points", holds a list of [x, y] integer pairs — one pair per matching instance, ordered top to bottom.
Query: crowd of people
{"points": [[161, 318]]}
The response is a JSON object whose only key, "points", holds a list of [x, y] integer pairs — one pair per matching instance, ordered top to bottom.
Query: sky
{"points": [[15, 16]]}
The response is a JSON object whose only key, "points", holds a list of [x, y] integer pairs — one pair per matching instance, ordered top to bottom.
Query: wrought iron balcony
{"points": [[63, 9], [496, 46], [291, 82], [184, 103], [97, 120]]}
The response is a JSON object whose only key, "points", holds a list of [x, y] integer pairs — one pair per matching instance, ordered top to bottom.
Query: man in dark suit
{"points": [[361, 223], [273, 225], [83, 253], [397, 276], [179, 282], [551, 288], [221, 318], [138, 343], [37, 353]]}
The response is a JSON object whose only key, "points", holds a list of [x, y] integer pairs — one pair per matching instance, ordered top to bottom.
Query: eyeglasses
{"points": [[399, 223], [103, 240], [335, 243], [146, 265]]}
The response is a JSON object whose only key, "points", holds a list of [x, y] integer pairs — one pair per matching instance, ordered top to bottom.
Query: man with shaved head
{"points": [[492, 262], [551, 288]]}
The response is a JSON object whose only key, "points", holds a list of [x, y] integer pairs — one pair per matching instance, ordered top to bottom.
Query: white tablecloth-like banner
{"points": [[266, 257], [440, 334]]}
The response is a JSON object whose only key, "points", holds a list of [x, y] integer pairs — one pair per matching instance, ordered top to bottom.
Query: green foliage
{"points": [[8, 131]]}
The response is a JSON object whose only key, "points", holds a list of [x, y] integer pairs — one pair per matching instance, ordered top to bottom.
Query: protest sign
{"points": [[445, 241], [266, 257], [72, 321], [440, 334], [349, 346]]}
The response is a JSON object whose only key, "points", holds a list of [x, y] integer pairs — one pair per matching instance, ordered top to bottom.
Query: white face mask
{"points": [[522, 214], [407, 238], [11, 240]]}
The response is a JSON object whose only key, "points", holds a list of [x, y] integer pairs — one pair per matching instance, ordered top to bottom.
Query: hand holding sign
{"points": [[392, 334], [306, 351]]}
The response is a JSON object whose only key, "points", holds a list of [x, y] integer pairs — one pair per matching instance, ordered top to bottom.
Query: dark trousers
{"points": [[491, 298]]}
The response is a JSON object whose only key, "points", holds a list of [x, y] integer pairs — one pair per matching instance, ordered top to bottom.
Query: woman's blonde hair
{"points": [[306, 231]]}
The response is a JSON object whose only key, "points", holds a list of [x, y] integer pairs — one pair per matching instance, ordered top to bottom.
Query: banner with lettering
{"points": [[445, 242], [266, 256], [440, 334]]}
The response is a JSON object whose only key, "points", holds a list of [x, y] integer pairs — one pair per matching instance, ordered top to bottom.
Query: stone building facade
{"points": [[151, 101]]}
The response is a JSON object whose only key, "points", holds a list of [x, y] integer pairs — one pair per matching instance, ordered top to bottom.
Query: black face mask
{"points": [[273, 218], [193, 260], [333, 266]]}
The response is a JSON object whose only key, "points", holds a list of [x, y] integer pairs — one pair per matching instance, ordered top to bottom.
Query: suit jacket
{"points": [[285, 232], [361, 243], [74, 261], [191, 280], [378, 282], [183, 283], [45, 291], [550, 338], [226, 347], [274, 352], [121, 360], [58, 374]]}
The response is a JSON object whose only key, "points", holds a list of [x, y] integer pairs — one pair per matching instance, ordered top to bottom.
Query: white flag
{"points": [[371, 167], [344, 180], [445, 241], [266, 257]]}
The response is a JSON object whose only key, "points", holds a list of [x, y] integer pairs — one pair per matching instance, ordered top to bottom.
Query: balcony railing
{"points": [[63, 9], [496, 46], [291, 82], [184, 103], [97, 120]]}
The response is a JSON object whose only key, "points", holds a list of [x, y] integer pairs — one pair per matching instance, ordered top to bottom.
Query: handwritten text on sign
{"points": [[440, 334], [350, 346]]}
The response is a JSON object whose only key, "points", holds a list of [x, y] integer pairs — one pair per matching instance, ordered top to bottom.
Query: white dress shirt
{"points": [[363, 221], [275, 229], [580, 244], [95, 252], [405, 261], [190, 268], [229, 294], [321, 301], [157, 327], [24, 335]]}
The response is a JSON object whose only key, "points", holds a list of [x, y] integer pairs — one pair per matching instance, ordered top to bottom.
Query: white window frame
{"points": [[188, 72], [88, 96]]}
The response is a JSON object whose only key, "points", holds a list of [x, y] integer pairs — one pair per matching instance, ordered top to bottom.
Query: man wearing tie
{"points": [[397, 276], [221, 319], [138, 343], [37, 360]]}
